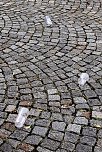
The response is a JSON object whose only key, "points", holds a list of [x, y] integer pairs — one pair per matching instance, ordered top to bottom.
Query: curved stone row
{"points": [[39, 69]]}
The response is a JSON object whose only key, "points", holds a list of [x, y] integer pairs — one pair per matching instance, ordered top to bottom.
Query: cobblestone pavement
{"points": [[39, 69]]}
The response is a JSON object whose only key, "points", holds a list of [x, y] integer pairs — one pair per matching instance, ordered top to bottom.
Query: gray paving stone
{"points": [[7, 50], [39, 69], [52, 91], [99, 92], [90, 94], [54, 97], [78, 100], [94, 102], [54, 103], [2, 106], [82, 106], [10, 108], [35, 112], [97, 114], [45, 115], [56, 116], [12, 118], [68, 119], [1, 121], [81, 121], [43, 122], [96, 123], [60, 126], [74, 128], [41, 131], [89, 131], [4, 133], [100, 133], [19, 135], [56, 135], [71, 137], [33, 139], [88, 140], [1, 141], [14, 142], [99, 143], [50, 144], [68, 146], [6, 147], [25, 147], [83, 148], [41, 149], [97, 149], [19, 150], [62, 150]]}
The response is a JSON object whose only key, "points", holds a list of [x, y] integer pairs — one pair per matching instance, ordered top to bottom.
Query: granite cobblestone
{"points": [[39, 69]]}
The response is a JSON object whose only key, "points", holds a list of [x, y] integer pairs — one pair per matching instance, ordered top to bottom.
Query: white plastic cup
{"points": [[48, 21], [83, 78], [22, 116]]}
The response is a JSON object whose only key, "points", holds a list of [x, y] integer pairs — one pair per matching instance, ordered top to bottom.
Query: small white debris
{"points": [[48, 20], [83, 78], [22, 116]]}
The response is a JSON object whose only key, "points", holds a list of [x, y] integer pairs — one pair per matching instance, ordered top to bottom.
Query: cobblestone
{"points": [[39, 69], [78, 100], [10, 108], [97, 115], [81, 120], [60, 126], [74, 128], [41, 131], [89, 131], [100, 133], [20, 135], [56, 135], [71, 137], [33, 139], [88, 140], [50, 144], [68, 146], [5, 147], [83, 148], [40, 149], [97, 149]]}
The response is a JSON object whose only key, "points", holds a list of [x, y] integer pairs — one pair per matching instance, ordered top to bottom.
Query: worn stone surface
{"points": [[39, 69], [78, 100], [97, 114], [81, 120], [60, 126], [74, 128], [40, 131], [89, 131], [18, 134], [56, 135], [71, 137], [33, 139], [88, 140], [50, 144], [68, 146], [6, 147], [83, 148]]}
